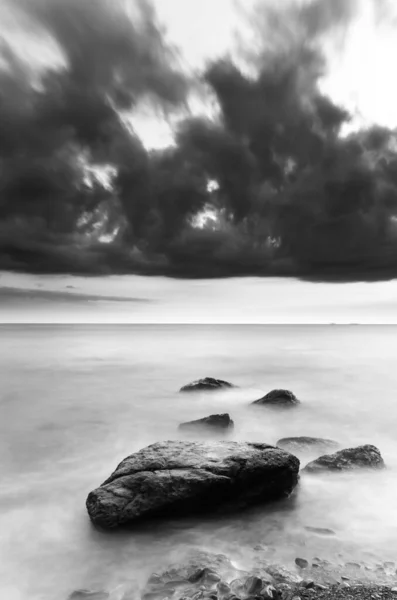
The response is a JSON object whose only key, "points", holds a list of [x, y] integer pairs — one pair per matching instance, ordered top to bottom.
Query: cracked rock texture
{"points": [[176, 477]]}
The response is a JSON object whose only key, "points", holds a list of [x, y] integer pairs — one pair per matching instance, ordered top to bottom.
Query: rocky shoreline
{"points": [[174, 478], [208, 576]]}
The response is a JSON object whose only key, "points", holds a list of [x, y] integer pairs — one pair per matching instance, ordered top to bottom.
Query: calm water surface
{"points": [[75, 400]]}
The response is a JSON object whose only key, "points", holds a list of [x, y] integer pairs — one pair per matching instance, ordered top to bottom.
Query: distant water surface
{"points": [[75, 400]]}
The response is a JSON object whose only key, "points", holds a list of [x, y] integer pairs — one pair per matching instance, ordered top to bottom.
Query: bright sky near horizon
{"points": [[161, 300]]}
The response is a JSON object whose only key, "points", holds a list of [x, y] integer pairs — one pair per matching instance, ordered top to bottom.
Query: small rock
{"points": [[208, 384], [282, 398], [219, 422], [305, 443], [362, 457], [302, 563], [353, 565], [282, 575], [345, 578], [308, 584], [253, 585], [320, 586], [238, 587], [223, 588], [394, 590], [269, 593], [88, 595]]}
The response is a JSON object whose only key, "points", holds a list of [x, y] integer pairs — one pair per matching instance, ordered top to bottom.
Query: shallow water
{"points": [[75, 400]]}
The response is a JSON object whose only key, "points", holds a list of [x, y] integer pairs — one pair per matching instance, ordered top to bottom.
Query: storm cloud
{"points": [[269, 186]]}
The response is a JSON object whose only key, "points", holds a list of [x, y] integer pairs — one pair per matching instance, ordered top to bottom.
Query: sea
{"points": [[77, 399]]}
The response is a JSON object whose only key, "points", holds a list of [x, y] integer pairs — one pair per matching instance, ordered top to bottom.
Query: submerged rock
{"points": [[208, 384], [282, 398], [222, 422], [303, 443], [362, 457], [176, 477], [320, 530], [200, 573], [88, 595]]}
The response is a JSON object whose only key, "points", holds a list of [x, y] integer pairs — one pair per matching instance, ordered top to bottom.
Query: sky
{"points": [[359, 76]]}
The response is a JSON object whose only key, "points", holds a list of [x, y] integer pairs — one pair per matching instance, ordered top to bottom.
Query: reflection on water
{"points": [[75, 401]]}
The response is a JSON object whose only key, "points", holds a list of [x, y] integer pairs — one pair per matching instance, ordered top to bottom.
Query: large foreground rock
{"points": [[208, 384], [281, 398], [211, 423], [362, 457], [176, 477]]}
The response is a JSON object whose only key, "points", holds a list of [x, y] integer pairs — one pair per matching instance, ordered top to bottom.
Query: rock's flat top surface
{"points": [[207, 383], [282, 398], [306, 443], [362, 457], [177, 477]]}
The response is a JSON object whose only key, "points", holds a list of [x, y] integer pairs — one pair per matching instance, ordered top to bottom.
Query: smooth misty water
{"points": [[76, 400]]}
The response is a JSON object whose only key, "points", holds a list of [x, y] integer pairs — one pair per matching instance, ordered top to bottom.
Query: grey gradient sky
{"points": [[135, 299]]}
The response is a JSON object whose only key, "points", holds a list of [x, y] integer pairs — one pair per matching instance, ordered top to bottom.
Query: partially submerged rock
{"points": [[209, 384], [282, 398], [217, 422], [306, 444], [362, 457], [176, 477], [320, 530], [302, 563], [198, 572], [206, 576], [88, 595]]}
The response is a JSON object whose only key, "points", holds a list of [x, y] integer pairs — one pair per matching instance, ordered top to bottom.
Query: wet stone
{"points": [[302, 563], [253, 585], [88, 595]]}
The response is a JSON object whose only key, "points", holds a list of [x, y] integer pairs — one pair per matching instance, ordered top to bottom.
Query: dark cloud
{"points": [[291, 195]]}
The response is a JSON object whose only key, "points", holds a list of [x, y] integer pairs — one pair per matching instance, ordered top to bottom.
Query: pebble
{"points": [[302, 563], [353, 565], [308, 584], [253, 585], [223, 588], [269, 593]]}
